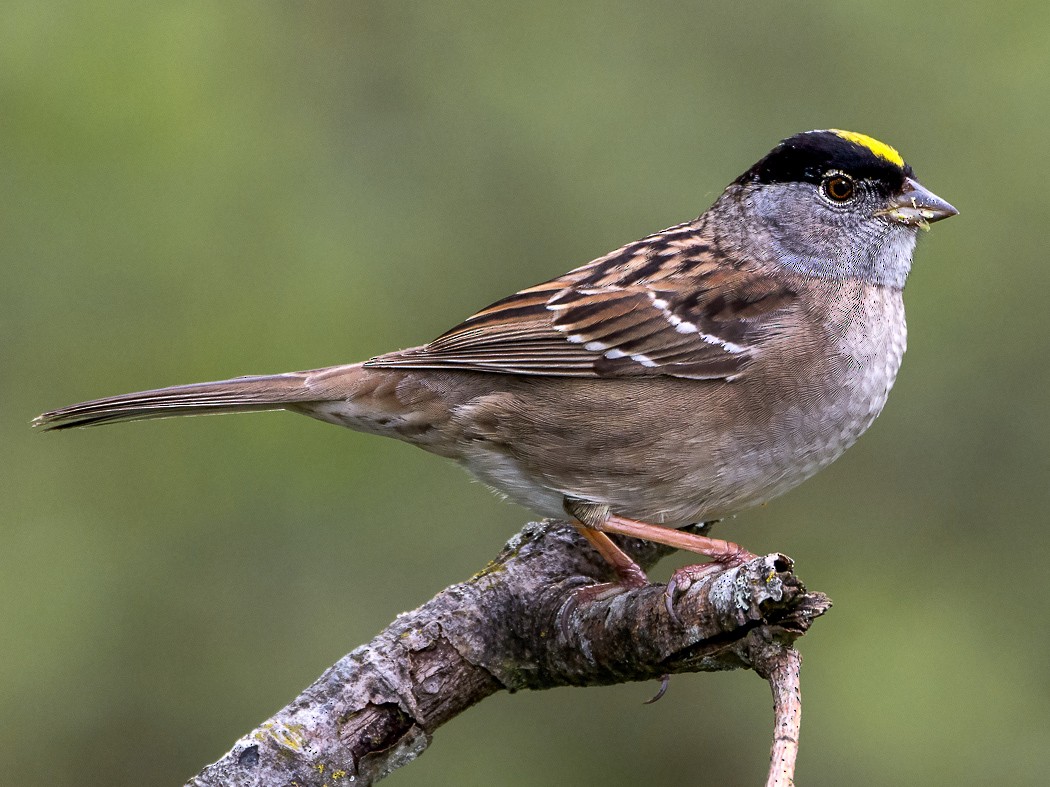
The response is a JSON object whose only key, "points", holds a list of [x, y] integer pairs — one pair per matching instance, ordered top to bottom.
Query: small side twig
{"points": [[780, 665], [377, 708]]}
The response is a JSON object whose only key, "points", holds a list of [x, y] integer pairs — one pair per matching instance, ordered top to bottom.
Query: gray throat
{"points": [[886, 266]]}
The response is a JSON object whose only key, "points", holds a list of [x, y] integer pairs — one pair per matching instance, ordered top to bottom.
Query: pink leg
{"points": [[593, 520], [723, 554], [629, 575]]}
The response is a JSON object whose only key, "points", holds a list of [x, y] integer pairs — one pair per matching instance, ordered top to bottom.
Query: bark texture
{"points": [[516, 625]]}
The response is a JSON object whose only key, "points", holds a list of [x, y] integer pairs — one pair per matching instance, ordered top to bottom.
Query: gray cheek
{"points": [[799, 223], [811, 238]]}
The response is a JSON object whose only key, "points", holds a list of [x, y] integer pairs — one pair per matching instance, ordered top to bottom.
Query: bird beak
{"points": [[917, 206]]}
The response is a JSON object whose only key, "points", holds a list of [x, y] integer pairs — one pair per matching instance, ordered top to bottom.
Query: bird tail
{"points": [[241, 394]]}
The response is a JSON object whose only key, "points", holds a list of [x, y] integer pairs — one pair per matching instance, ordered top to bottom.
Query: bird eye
{"points": [[838, 187]]}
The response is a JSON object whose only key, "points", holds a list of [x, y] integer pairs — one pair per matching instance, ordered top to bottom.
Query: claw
{"points": [[682, 580], [669, 591], [665, 681]]}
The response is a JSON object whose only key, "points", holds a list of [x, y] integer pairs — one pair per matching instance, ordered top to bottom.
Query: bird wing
{"points": [[671, 304]]}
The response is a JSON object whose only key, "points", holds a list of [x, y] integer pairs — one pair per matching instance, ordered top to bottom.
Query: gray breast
{"points": [[866, 339]]}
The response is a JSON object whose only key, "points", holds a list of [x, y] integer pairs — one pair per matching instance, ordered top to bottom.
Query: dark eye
{"points": [[838, 187]]}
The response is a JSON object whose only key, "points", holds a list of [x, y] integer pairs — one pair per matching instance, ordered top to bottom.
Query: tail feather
{"points": [[241, 394]]}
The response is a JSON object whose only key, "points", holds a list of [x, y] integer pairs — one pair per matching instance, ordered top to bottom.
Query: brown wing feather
{"points": [[670, 304]]}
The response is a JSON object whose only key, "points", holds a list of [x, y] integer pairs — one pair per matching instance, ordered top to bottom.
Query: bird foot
{"points": [[684, 578], [591, 593]]}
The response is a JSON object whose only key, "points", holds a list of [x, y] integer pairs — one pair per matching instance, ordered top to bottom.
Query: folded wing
{"points": [[667, 305]]}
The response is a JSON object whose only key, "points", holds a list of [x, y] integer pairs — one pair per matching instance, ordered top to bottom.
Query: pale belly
{"points": [[699, 484]]}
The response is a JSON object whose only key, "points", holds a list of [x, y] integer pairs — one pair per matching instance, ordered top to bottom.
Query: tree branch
{"points": [[508, 627]]}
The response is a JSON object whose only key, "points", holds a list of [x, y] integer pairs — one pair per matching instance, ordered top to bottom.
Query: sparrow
{"points": [[679, 379]]}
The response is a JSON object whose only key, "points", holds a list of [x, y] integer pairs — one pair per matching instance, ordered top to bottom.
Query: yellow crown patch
{"points": [[880, 149]]}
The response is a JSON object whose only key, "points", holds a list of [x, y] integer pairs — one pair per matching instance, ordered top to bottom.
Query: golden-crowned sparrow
{"points": [[679, 379]]}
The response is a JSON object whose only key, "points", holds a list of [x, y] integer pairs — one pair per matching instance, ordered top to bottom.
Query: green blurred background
{"points": [[194, 191]]}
